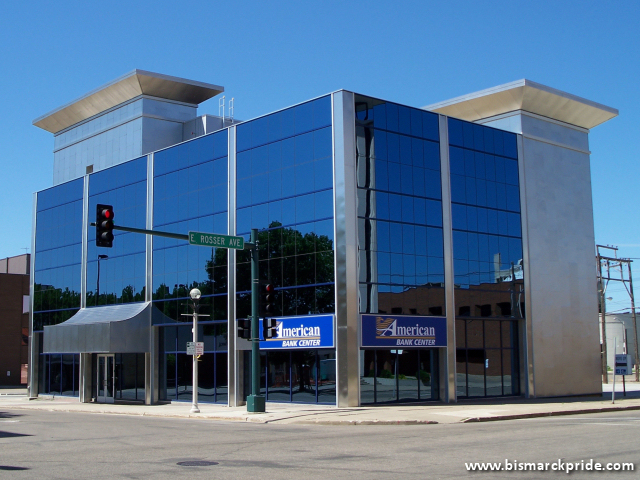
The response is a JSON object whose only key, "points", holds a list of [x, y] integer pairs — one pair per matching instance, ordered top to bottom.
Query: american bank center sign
{"points": [[310, 331], [404, 331]]}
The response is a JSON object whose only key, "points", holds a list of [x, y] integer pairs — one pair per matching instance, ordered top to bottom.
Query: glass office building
{"points": [[396, 237]]}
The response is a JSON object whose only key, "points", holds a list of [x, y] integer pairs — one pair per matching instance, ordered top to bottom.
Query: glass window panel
{"points": [[322, 112], [304, 117], [287, 118], [404, 119], [416, 122], [430, 128], [455, 132], [467, 132], [478, 137], [498, 142], [380, 144], [510, 145], [393, 147], [304, 148], [288, 149], [405, 150], [432, 155], [456, 161], [511, 171], [500, 172], [323, 173], [382, 175], [304, 178], [395, 178], [406, 179], [288, 182], [419, 183], [470, 184], [275, 185], [259, 189], [458, 189], [481, 192], [501, 196], [513, 198], [492, 200], [324, 204], [382, 205], [395, 207], [304, 208], [407, 209], [419, 211], [434, 213], [459, 216], [472, 219], [482, 220], [514, 226], [395, 234], [382, 237], [408, 239], [421, 240], [434, 242], [472, 242], [460, 249], [492, 334], [493, 370], [408, 375], [510, 376], [386, 388]]}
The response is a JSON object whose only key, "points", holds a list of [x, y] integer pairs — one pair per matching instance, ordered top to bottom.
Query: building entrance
{"points": [[106, 379]]}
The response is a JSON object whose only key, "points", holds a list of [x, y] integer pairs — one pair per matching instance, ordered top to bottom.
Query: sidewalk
{"points": [[403, 414]]}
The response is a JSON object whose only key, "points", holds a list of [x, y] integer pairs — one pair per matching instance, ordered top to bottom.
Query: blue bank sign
{"points": [[310, 331], [396, 331]]}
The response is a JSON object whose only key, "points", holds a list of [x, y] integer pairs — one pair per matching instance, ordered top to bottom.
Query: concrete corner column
{"points": [[85, 376]]}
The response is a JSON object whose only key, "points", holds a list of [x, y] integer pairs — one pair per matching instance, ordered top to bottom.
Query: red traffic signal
{"points": [[104, 225], [268, 296]]}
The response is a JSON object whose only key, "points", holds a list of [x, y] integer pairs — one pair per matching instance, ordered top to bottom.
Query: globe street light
{"points": [[195, 295]]}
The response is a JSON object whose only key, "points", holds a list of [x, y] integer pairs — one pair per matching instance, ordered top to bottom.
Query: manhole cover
{"points": [[197, 463]]}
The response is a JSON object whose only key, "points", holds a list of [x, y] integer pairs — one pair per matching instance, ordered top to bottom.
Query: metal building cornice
{"points": [[123, 89], [528, 96]]}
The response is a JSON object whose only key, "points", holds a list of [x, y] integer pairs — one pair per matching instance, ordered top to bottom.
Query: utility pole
{"points": [[616, 265], [601, 289]]}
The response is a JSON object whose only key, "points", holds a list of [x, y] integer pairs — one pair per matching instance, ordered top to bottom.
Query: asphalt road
{"points": [[50, 445]]}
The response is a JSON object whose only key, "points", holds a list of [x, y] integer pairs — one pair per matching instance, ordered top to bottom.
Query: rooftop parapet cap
{"points": [[123, 89], [528, 96]]}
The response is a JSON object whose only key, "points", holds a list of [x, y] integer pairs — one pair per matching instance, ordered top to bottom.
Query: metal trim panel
{"points": [[123, 89], [529, 96], [447, 232], [85, 246], [346, 250], [112, 329], [526, 343], [34, 358], [234, 375]]}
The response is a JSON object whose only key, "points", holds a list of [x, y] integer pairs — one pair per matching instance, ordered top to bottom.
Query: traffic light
{"points": [[104, 226], [267, 300], [244, 328], [269, 328]]}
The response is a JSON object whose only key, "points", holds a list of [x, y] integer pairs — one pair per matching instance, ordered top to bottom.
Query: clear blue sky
{"points": [[269, 55]]}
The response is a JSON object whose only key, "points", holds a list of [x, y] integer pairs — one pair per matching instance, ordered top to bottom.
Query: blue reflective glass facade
{"points": [[285, 189], [190, 193], [399, 209], [58, 254], [487, 255], [401, 259], [123, 272]]}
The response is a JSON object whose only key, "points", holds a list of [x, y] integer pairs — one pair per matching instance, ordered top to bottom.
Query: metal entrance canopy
{"points": [[110, 329]]}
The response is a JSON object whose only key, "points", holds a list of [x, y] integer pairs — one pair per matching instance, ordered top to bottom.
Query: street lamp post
{"points": [[100, 257], [195, 298]]}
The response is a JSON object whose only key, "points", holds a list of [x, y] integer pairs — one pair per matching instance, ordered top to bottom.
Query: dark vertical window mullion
{"points": [[317, 373], [375, 376], [418, 376], [290, 383]]}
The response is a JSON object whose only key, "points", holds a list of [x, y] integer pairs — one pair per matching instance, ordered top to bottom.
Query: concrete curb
{"points": [[550, 414]]}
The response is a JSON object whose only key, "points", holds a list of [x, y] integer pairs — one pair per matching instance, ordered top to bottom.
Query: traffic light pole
{"points": [[255, 401]]}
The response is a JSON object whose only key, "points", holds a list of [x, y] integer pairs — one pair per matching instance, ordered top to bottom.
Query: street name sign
{"points": [[215, 240], [624, 364]]}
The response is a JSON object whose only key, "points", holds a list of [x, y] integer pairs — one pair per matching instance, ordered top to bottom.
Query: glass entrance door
{"points": [[106, 377]]}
